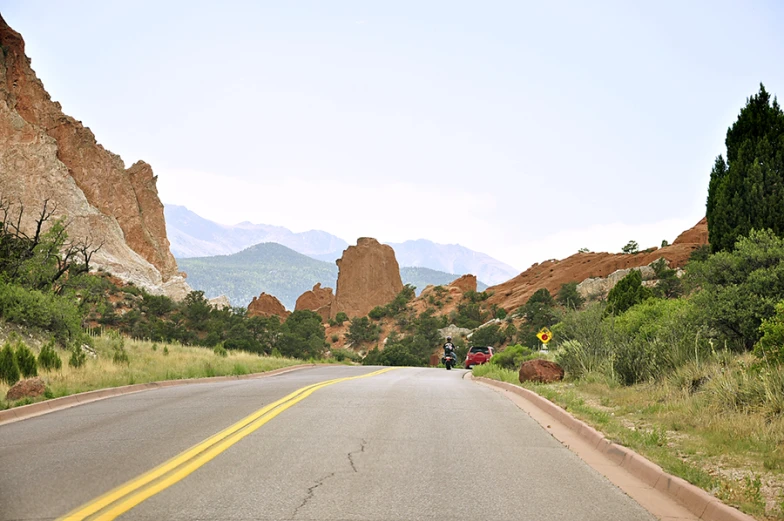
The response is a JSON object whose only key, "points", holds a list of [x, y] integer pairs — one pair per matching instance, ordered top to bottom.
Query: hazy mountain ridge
{"points": [[193, 236], [453, 258], [279, 271]]}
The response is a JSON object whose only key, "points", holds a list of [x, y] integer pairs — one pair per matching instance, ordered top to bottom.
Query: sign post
{"points": [[545, 336]]}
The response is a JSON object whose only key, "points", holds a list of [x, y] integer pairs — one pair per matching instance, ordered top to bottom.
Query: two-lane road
{"points": [[403, 444]]}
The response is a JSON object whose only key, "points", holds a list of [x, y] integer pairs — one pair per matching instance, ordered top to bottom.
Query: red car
{"points": [[478, 355]]}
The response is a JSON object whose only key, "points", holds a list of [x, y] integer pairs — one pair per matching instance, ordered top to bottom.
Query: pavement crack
{"points": [[360, 451], [310, 493]]}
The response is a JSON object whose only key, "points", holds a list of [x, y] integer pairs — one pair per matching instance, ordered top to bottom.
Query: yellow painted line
{"points": [[127, 496]]}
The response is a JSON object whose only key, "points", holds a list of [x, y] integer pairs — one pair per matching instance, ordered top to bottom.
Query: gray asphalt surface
{"points": [[408, 444]]}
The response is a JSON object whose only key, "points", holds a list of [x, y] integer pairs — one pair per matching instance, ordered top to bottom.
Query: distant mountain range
{"points": [[193, 236], [280, 271]]}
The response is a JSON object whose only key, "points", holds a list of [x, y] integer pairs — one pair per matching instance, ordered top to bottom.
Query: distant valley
{"points": [[191, 236], [282, 272]]}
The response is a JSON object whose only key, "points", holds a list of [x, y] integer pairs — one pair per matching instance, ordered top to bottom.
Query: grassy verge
{"points": [[146, 362], [690, 424]]}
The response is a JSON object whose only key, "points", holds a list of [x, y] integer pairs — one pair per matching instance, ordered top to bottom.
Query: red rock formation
{"points": [[45, 154], [696, 235], [552, 274], [368, 276], [465, 283], [318, 299], [266, 306], [540, 371], [29, 388]]}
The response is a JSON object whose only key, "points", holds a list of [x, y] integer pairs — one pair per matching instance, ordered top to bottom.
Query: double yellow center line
{"points": [[125, 497]]}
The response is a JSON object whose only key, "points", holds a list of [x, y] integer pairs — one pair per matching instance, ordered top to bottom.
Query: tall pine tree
{"points": [[747, 190]]}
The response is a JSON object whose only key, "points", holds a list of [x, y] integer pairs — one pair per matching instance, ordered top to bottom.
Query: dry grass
{"points": [[166, 362], [719, 426]]}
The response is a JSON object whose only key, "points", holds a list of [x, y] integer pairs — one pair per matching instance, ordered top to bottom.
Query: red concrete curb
{"points": [[55, 404], [696, 500]]}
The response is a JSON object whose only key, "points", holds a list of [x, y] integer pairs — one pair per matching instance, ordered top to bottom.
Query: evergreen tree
{"points": [[747, 190], [628, 292], [569, 297], [25, 359], [48, 359], [9, 370]]}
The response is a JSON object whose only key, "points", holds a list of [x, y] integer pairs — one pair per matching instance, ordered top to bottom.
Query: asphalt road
{"points": [[407, 444]]}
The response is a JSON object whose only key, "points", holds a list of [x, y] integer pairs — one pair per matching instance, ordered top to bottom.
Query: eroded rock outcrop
{"points": [[47, 155], [581, 266], [368, 276], [465, 283], [318, 299], [266, 305]]}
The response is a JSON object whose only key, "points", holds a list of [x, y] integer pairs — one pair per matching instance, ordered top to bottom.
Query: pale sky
{"points": [[524, 130]]}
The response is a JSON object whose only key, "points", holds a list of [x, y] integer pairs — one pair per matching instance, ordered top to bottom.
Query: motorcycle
{"points": [[449, 360]]}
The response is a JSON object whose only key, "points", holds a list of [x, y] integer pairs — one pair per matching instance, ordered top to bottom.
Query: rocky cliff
{"points": [[47, 155], [581, 266], [368, 276]]}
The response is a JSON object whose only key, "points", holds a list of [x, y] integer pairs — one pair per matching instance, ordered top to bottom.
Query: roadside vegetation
{"points": [[116, 361], [689, 372]]}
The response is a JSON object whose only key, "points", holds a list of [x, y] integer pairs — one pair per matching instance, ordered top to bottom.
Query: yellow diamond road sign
{"points": [[544, 335]]}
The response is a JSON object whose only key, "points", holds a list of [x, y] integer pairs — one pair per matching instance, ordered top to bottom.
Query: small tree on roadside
{"points": [[25, 359], [48, 359], [9, 369]]}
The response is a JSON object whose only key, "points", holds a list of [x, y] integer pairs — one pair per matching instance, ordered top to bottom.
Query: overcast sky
{"points": [[524, 130]]}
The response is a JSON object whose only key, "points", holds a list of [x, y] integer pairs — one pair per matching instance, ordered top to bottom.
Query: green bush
{"points": [[740, 289], [628, 292], [44, 310], [377, 313], [341, 317], [362, 331], [490, 335], [770, 346], [165, 350], [220, 351], [341, 354], [120, 356], [78, 357], [512, 357], [25, 359], [48, 359], [576, 360], [9, 369]]}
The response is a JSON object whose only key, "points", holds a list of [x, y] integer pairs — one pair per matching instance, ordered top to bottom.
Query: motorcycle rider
{"points": [[449, 348]]}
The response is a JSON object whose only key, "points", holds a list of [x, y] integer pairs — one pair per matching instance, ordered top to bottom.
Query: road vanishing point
{"points": [[323, 443]]}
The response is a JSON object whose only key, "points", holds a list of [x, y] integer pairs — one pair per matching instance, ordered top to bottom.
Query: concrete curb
{"points": [[56, 404], [696, 500]]}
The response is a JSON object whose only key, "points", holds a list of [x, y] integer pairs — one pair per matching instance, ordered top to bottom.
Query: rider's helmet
{"points": [[449, 339]]}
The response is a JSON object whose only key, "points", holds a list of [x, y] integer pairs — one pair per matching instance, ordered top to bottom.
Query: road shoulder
{"points": [[667, 497]]}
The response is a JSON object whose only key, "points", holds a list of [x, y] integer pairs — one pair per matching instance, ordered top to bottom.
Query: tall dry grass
{"points": [[147, 362]]}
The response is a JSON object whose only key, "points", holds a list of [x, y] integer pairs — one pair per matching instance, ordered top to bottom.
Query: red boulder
{"points": [[540, 371], [29, 388]]}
